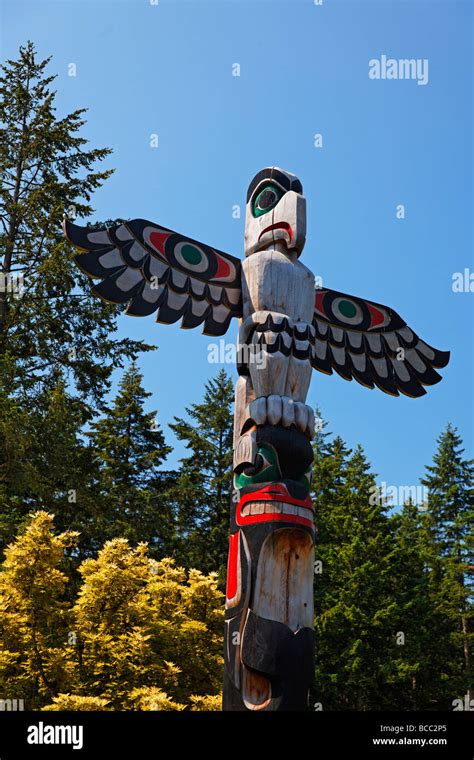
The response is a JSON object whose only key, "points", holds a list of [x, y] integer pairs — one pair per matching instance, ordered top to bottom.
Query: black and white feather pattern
{"points": [[154, 269], [371, 343]]}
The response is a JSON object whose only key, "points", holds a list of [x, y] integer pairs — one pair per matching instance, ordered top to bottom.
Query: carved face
{"points": [[275, 213], [275, 489]]}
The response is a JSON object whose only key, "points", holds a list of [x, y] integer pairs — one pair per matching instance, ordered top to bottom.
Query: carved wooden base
{"points": [[269, 638]]}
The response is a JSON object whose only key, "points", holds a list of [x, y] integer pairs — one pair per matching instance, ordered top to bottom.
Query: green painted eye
{"points": [[266, 199], [191, 254], [265, 470]]}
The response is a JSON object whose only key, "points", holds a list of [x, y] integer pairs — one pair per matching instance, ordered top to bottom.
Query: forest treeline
{"points": [[112, 564]]}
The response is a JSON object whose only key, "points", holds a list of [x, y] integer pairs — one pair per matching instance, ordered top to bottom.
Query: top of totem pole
{"points": [[275, 213]]}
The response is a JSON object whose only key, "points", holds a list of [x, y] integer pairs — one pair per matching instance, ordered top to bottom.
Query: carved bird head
{"points": [[275, 213]]}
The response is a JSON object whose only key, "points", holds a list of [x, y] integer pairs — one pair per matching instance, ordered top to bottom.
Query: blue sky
{"points": [[167, 69]]}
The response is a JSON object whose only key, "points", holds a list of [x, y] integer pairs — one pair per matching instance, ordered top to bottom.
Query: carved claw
{"points": [[281, 410]]}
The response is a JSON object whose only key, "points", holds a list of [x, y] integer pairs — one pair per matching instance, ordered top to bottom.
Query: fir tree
{"points": [[47, 170], [53, 333], [129, 448], [46, 463], [18, 477], [450, 481], [204, 483], [449, 521], [353, 608], [417, 652]]}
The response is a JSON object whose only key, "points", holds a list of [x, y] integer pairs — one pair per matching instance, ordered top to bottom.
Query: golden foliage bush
{"points": [[141, 634]]}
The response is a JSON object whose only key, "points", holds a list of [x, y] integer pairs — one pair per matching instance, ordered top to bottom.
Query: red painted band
{"points": [[232, 565]]}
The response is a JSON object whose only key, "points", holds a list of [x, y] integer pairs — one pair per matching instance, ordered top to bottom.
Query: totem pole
{"points": [[286, 328]]}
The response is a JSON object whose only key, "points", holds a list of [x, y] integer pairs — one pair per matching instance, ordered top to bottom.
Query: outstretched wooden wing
{"points": [[153, 269], [371, 343]]}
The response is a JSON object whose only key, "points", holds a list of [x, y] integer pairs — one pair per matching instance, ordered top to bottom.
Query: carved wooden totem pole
{"points": [[286, 328]]}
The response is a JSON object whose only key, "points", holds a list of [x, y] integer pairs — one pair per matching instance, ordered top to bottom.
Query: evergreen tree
{"points": [[48, 317], [53, 333], [129, 448], [46, 463], [17, 472], [450, 483], [204, 484], [449, 521], [353, 608], [417, 652]]}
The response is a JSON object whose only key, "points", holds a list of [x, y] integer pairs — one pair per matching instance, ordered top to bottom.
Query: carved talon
{"points": [[281, 410]]}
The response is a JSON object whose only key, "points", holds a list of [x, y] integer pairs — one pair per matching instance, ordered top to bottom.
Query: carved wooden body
{"points": [[269, 638]]}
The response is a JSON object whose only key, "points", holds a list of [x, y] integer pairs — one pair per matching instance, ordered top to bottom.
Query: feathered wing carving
{"points": [[154, 269], [371, 343]]}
